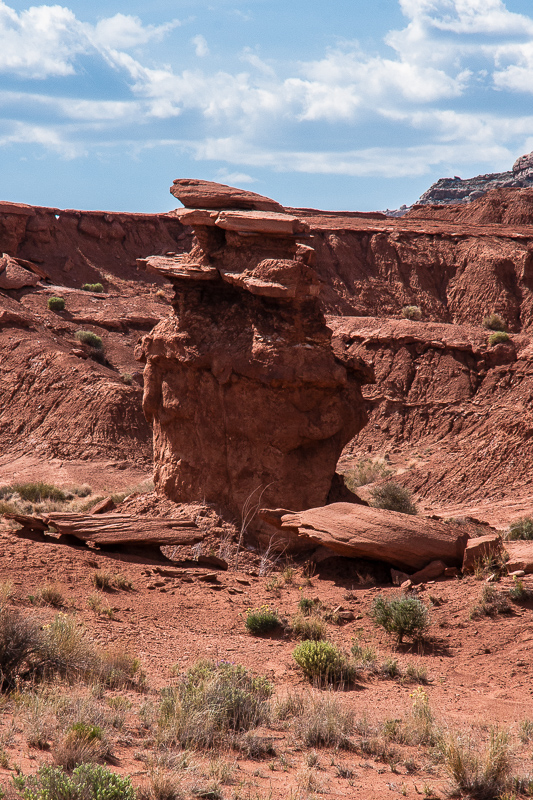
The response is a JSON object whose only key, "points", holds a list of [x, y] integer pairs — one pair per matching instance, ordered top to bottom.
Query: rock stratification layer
{"points": [[245, 393]]}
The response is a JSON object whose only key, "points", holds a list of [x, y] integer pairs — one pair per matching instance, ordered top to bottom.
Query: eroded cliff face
{"points": [[246, 397]]}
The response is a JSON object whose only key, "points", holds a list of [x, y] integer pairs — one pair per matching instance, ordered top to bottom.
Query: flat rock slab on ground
{"points": [[358, 531], [520, 556]]}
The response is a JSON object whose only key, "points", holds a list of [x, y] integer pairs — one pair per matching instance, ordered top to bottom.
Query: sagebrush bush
{"points": [[93, 287], [56, 303], [412, 312], [493, 322], [499, 337], [90, 338], [367, 470], [38, 491], [393, 497], [521, 529], [400, 616], [261, 620], [323, 663], [211, 702], [87, 782]]}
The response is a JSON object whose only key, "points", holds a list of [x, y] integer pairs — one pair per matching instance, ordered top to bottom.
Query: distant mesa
{"points": [[450, 191]]}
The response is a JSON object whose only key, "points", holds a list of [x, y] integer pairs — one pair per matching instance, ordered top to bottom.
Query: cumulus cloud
{"points": [[200, 45]]}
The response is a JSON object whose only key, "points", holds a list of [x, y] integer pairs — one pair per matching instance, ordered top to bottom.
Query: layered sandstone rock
{"points": [[246, 396]]}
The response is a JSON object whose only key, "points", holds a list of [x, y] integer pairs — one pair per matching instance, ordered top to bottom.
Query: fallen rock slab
{"points": [[13, 276], [109, 529], [403, 540], [479, 548], [520, 556], [433, 570]]}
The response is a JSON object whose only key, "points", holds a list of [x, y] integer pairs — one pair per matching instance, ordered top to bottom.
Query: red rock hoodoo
{"points": [[242, 385]]}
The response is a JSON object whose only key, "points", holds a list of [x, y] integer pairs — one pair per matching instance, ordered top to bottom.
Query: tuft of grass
{"points": [[93, 287], [56, 303], [413, 313], [493, 322], [499, 337], [90, 338], [367, 470], [393, 497], [521, 529], [102, 580], [123, 583], [518, 591], [51, 595], [492, 603], [96, 604], [308, 606], [400, 616], [261, 620], [312, 627], [20, 641], [364, 656], [324, 663], [211, 703], [324, 722], [82, 744], [484, 775]]}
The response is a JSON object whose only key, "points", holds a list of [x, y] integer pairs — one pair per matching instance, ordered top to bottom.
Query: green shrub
{"points": [[93, 287], [56, 303], [412, 312], [494, 322], [500, 337], [90, 338], [366, 471], [38, 491], [393, 497], [521, 529], [518, 591], [308, 606], [401, 616], [261, 620], [312, 628], [323, 662], [211, 702], [87, 782]]}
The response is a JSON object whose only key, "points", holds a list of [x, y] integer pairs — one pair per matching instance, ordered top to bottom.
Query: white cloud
{"points": [[123, 32], [200, 45]]}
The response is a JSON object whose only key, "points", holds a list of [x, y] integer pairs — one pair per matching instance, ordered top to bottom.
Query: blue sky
{"points": [[348, 105]]}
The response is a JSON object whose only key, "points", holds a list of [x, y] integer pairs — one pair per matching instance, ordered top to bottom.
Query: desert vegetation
{"points": [[393, 497]]}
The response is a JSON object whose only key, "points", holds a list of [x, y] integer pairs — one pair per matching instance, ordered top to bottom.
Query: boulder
{"points": [[209, 195], [13, 276], [403, 540], [479, 548], [520, 556], [431, 571]]}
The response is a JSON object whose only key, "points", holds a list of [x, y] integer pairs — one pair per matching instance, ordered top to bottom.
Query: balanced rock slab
{"points": [[210, 195], [403, 540]]}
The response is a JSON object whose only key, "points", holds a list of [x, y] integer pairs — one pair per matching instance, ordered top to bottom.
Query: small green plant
{"points": [[93, 287], [56, 303], [412, 312], [493, 322], [499, 337], [89, 338], [127, 378], [366, 471], [393, 497], [521, 529], [518, 591], [492, 603], [96, 604], [308, 606], [401, 616], [261, 620], [311, 627], [364, 656], [324, 663], [390, 668], [87, 782]]}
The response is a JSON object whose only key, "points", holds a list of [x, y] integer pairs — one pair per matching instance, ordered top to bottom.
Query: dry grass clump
{"points": [[494, 322], [367, 470], [520, 529], [49, 595], [492, 603], [311, 628], [211, 703], [323, 722], [82, 744], [482, 775]]}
